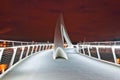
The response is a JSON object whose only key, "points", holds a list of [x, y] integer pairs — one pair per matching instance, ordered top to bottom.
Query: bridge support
{"points": [[59, 36], [59, 53]]}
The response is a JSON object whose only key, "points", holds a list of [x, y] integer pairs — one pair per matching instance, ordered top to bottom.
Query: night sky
{"points": [[35, 20]]}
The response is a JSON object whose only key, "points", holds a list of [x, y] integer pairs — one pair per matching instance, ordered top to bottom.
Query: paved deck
{"points": [[42, 67]]}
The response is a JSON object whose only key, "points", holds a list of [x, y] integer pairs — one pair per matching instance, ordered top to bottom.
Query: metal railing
{"points": [[108, 50], [12, 52]]}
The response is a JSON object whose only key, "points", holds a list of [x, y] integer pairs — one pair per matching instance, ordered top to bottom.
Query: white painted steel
{"points": [[21, 45], [97, 45], [23, 48], [36, 48], [40, 48], [32, 49], [83, 49], [28, 51], [59, 52], [1, 53], [89, 53], [98, 54], [13, 56], [114, 56], [77, 67]]}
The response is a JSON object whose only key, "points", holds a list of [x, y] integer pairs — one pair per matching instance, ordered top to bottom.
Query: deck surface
{"points": [[42, 67]]}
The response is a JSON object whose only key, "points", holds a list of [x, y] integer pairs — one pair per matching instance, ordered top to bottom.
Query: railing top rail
{"points": [[22, 41], [11, 43], [102, 43]]}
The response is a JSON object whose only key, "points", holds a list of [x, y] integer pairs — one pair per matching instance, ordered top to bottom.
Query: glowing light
{"points": [[4, 44], [118, 60], [3, 67]]}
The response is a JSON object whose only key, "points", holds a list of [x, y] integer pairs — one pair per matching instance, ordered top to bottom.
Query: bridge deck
{"points": [[43, 67]]}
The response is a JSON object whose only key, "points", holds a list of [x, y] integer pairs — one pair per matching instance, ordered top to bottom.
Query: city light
{"points": [[3, 67]]}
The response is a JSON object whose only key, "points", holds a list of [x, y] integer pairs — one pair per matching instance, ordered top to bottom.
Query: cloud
{"points": [[5, 30]]}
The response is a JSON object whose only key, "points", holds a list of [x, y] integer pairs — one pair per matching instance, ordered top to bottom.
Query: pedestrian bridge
{"points": [[59, 61]]}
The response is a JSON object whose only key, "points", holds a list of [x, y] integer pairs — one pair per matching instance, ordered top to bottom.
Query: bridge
{"points": [[59, 61]]}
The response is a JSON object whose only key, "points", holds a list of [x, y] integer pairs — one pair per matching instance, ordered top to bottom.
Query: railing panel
{"points": [[42, 47], [38, 48], [34, 49], [19, 50], [30, 51], [86, 51], [108, 51], [12, 52], [93, 52], [24, 53], [106, 54], [7, 56], [13, 56]]}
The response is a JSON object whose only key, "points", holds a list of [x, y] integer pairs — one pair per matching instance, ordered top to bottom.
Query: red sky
{"points": [[36, 19]]}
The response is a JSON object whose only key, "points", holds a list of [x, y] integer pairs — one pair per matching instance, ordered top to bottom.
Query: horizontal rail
{"points": [[102, 43], [99, 49], [10, 55]]}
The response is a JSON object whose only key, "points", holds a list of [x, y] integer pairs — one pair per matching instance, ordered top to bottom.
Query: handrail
{"points": [[102, 43], [112, 45], [12, 52]]}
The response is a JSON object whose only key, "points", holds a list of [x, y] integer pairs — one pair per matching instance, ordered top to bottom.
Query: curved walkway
{"points": [[43, 67]]}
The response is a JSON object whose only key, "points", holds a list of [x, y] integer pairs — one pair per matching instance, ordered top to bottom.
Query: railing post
{"points": [[21, 43], [13, 44], [53, 46], [44, 47], [47, 47], [23, 48], [36, 48], [40, 48], [77, 48], [80, 48], [32, 49], [83, 49], [89, 50], [28, 51], [1, 53], [98, 54], [13, 56], [114, 56]]}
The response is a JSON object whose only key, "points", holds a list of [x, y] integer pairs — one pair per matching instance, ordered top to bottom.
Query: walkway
{"points": [[42, 67]]}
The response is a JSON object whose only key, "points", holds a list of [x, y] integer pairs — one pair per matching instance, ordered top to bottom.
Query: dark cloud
{"points": [[84, 9], [55, 11], [116, 13], [36, 19], [5, 30]]}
